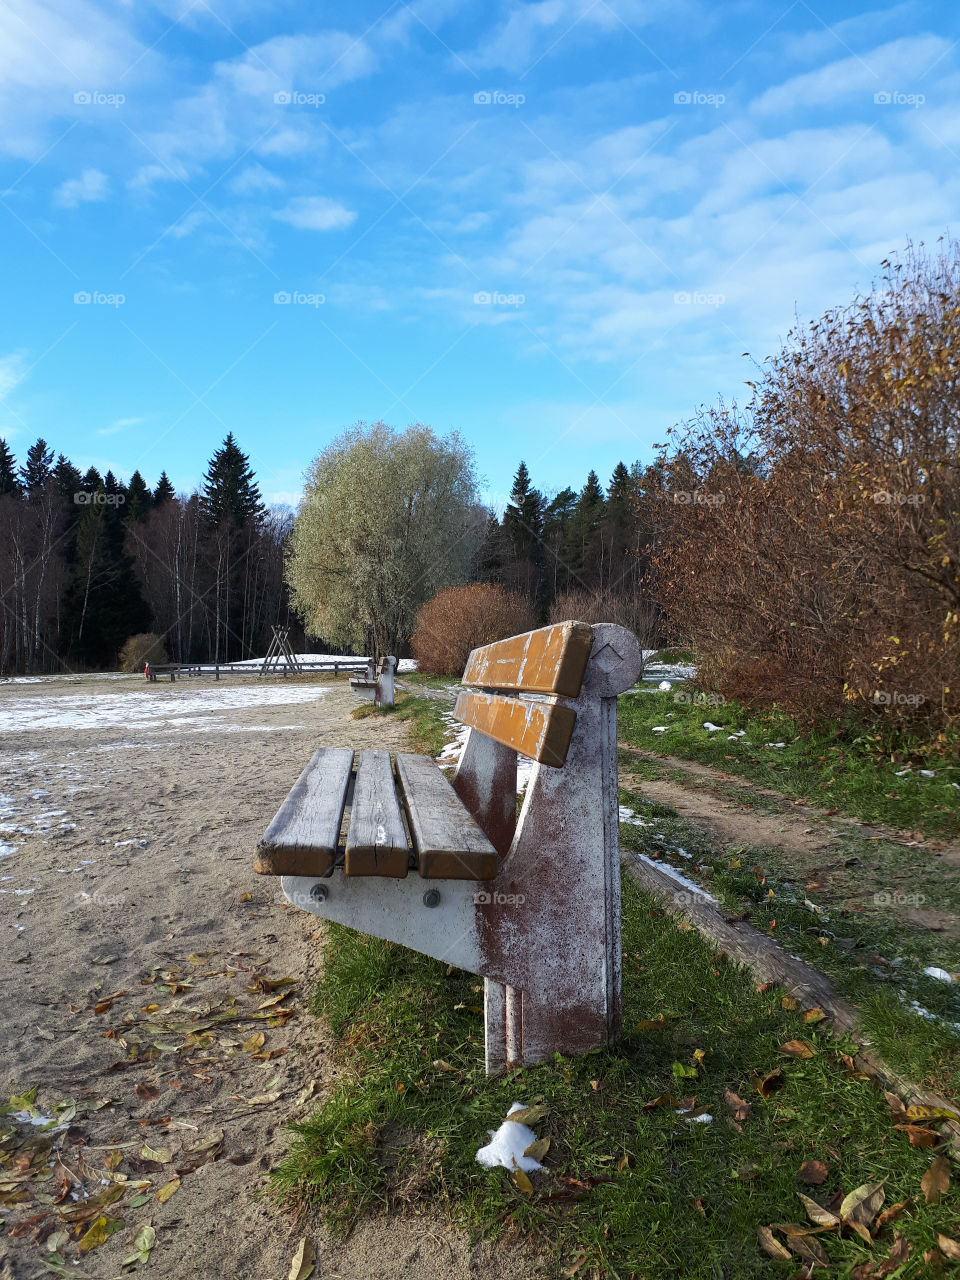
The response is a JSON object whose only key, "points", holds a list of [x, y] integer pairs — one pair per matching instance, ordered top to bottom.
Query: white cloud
{"points": [[532, 31], [50, 50], [893, 67], [255, 178], [90, 186], [316, 213], [12, 372], [121, 424]]}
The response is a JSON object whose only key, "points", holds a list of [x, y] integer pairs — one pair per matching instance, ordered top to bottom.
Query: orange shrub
{"points": [[461, 618]]}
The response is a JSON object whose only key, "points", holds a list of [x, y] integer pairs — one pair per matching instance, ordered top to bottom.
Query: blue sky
{"points": [[554, 226]]}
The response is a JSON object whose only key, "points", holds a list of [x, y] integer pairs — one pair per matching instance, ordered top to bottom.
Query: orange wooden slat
{"points": [[550, 660], [540, 730]]}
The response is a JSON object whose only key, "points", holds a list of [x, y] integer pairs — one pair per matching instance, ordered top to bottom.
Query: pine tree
{"points": [[37, 470], [68, 478], [9, 482], [229, 489], [164, 490], [139, 498], [586, 520], [556, 523], [523, 528], [492, 552]]}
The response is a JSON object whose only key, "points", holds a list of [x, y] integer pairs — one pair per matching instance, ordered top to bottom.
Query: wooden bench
{"points": [[376, 684], [530, 904]]}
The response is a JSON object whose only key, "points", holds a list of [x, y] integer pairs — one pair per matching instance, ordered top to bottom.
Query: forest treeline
{"points": [[89, 560], [86, 561]]}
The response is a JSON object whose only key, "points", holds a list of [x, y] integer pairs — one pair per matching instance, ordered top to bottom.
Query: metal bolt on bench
{"points": [[530, 904]]}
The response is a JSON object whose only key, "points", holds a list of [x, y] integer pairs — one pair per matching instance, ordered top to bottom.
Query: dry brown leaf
{"points": [[788, 1002], [814, 1015], [254, 1042], [799, 1049], [765, 1085], [146, 1091], [665, 1100], [894, 1103], [737, 1105], [931, 1113], [528, 1115], [919, 1137], [537, 1150], [157, 1155], [813, 1172], [521, 1181], [935, 1181], [167, 1190], [860, 1206], [817, 1214], [888, 1215], [99, 1232], [770, 1245], [949, 1248], [810, 1250], [304, 1261]]}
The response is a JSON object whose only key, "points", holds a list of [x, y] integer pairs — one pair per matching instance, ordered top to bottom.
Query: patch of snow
{"points": [[664, 686], [147, 709], [711, 727], [660, 728], [774, 744], [927, 773], [630, 815], [140, 842], [680, 878], [940, 974], [925, 1013], [704, 1118], [507, 1145]]}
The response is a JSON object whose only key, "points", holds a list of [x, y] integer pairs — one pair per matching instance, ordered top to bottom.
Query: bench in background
{"points": [[376, 684], [530, 904]]}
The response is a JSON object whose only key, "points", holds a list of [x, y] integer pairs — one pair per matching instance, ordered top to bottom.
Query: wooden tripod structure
{"points": [[280, 651]]}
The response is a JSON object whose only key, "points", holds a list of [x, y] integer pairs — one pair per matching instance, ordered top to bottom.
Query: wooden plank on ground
{"points": [[550, 660], [540, 730], [376, 838], [302, 839], [447, 840]]}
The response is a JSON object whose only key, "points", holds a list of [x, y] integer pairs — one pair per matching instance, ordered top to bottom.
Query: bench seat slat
{"points": [[551, 660], [539, 730], [302, 839], [376, 839], [448, 842]]}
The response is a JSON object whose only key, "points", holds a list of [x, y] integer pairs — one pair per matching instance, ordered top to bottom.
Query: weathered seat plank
{"points": [[551, 660], [539, 730], [302, 839], [376, 839], [448, 842]]}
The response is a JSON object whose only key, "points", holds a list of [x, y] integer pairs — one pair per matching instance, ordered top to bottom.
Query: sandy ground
{"points": [[139, 955]]}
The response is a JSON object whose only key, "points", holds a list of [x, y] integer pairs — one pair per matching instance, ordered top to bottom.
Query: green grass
{"points": [[429, 727], [844, 767], [874, 954], [654, 1195]]}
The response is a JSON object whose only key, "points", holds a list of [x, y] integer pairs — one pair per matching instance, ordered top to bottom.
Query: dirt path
{"points": [[837, 857], [140, 959]]}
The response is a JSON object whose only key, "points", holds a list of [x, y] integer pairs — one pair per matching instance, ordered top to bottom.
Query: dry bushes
{"points": [[809, 546], [635, 610], [461, 618], [141, 649]]}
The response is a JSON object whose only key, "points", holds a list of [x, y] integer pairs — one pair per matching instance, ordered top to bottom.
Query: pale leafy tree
{"points": [[388, 519]]}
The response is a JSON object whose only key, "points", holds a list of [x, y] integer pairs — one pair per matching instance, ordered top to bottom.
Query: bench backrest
{"points": [[549, 664]]}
